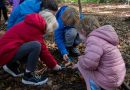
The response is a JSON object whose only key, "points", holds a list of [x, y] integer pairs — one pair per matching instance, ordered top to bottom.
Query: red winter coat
{"points": [[31, 29]]}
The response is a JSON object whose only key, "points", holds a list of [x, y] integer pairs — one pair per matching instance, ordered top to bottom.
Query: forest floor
{"points": [[68, 79]]}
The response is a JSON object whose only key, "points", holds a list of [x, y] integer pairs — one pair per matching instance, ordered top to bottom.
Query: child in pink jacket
{"points": [[102, 65]]}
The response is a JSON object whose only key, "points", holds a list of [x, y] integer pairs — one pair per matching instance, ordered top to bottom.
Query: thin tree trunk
{"points": [[80, 7]]}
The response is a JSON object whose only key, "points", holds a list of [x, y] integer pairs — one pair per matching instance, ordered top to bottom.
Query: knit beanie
{"points": [[51, 21]]}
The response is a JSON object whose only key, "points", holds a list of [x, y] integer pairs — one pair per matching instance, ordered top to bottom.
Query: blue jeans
{"points": [[71, 37], [29, 51], [94, 86]]}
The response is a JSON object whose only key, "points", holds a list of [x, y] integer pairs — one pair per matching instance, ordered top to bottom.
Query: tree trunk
{"points": [[80, 7]]}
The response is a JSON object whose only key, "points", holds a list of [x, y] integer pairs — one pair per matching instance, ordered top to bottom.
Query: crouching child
{"points": [[66, 35], [24, 41], [102, 65]]}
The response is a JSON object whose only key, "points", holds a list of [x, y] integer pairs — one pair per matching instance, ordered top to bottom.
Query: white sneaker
{"points": [[14, 73]]}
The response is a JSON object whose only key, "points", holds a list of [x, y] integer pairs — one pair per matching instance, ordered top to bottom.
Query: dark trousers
{"points": [[3, 10], [29, 51]]}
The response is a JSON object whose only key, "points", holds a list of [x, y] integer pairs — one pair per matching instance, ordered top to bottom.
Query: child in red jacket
{"points": [[24, 41]]}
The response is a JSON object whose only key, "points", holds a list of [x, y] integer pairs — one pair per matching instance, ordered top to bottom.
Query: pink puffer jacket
{"points": [[102, 61]]}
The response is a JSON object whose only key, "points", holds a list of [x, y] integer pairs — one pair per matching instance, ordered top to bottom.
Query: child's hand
{"points": [[2, 33], [65, 57], [79, 58], [75, 66], [57, 67]]}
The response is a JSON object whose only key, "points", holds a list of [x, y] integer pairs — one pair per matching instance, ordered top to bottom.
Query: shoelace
{"points": [[37, 76]]}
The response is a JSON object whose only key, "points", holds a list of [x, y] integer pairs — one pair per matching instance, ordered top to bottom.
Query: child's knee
{"points": [[70, 36], [36, 44]]}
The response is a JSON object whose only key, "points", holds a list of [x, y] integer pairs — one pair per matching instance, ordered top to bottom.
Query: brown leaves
{"points": [[69, 79]]}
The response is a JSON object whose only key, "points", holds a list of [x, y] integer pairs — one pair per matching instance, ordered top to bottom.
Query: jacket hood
{"points": [[30, 6], [60, 11], [58, 16], [37, 21], [107, 33]]}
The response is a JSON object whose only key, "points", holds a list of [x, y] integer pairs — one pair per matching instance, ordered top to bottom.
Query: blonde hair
{"points": [[70, 17], [51, 21], [89, 23]]}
